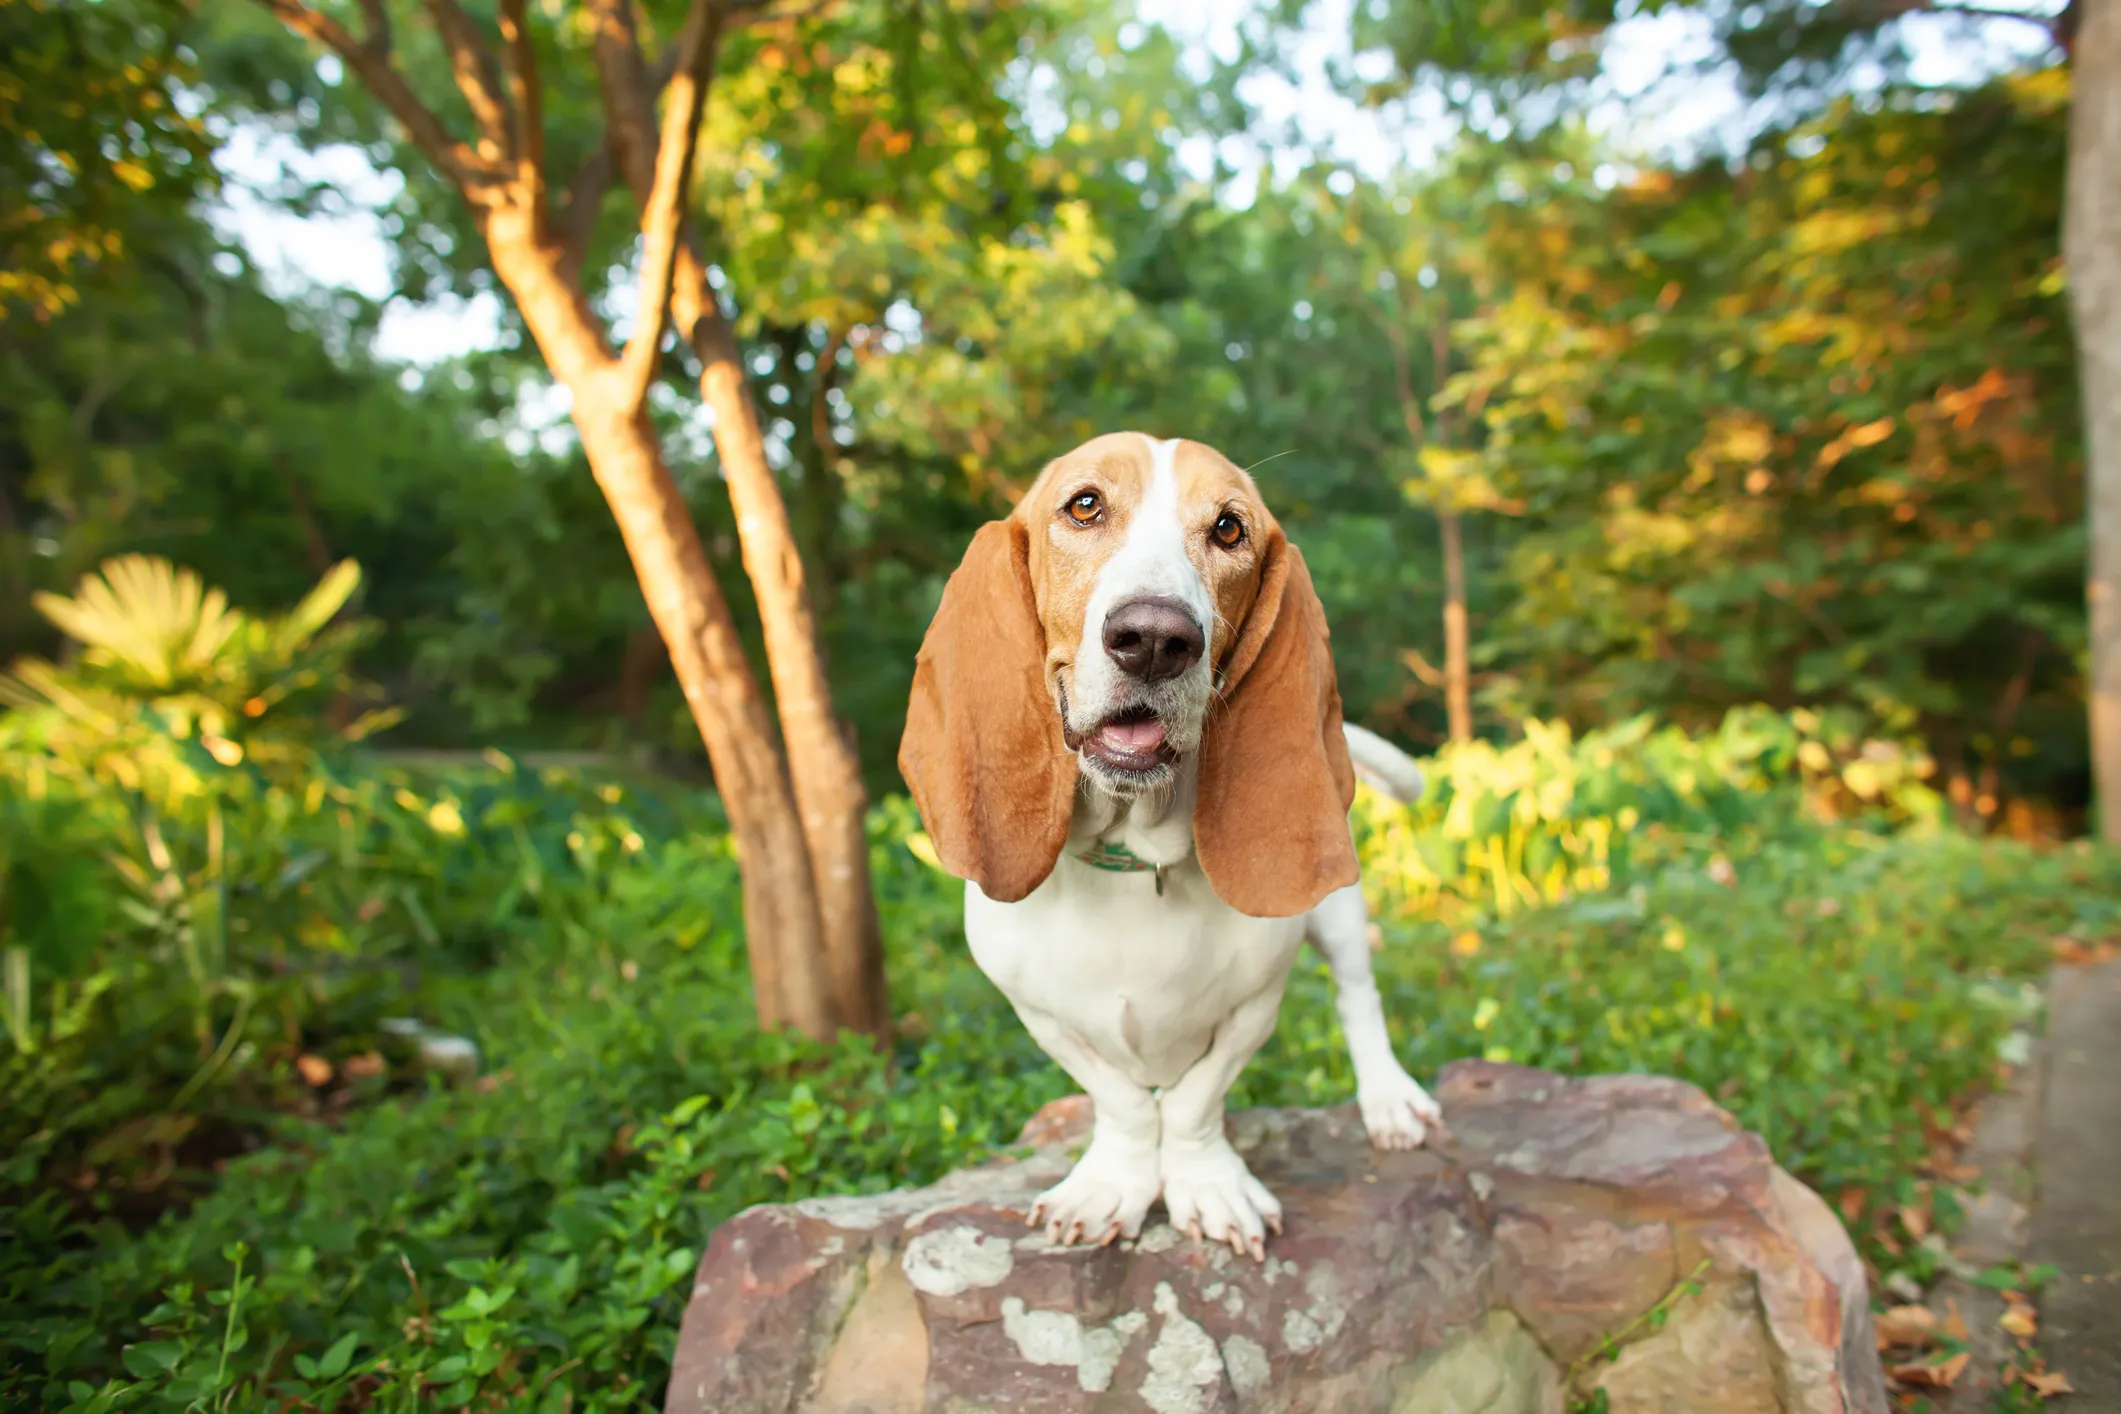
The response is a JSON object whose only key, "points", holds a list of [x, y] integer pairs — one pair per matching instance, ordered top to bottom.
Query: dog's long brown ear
{"points": [[983, 752], [1271, 820]]}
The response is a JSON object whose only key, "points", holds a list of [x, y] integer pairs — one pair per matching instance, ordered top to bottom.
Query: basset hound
{"points": [[1125, 735]]}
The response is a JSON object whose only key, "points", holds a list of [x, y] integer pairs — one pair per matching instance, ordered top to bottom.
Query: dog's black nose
{"points": [[1153, 638]]}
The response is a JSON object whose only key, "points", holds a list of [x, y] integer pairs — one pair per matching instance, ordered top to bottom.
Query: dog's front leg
{"points": [[1395, 1109], [1207, 1188], [1108, 1192]]}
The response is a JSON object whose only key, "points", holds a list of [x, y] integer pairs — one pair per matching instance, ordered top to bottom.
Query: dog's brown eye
{"points": [[1086, 507], [1229, 531]]}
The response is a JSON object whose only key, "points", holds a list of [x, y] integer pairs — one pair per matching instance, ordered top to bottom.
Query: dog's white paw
{"points": [[1398, 1112], [1105, 1196], [1213, 1197]]}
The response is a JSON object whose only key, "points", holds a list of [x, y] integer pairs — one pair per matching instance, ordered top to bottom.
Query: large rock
{"points": [[1483, 1275]]}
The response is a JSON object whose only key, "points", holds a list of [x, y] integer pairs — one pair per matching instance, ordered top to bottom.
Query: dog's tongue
{"points": [[1137, 737]]}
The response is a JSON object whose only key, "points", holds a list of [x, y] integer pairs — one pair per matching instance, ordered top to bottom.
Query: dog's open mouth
{"points": [[1131, 741]]}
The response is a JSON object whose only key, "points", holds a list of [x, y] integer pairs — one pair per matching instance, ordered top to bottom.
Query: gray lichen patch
{"points": [[951, 1260], [1058, 1338], [1247, 1362], [1184, 1365]]}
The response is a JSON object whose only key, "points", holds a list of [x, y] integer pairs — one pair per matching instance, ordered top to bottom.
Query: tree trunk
{"points": [[502, 177], [2091, 248], [821, 476], [639, 665], [1457, 669], [821, 756], [821, 759], [781, 917]]}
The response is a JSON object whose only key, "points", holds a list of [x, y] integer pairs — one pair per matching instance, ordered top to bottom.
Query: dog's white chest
{"points": [[1144, 978]]}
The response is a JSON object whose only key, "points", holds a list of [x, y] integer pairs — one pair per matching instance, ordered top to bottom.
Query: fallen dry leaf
{"points": [[2079, 953], [365, 1065], [315, 1069], [1851, 1203], [1916, 1221], [2019, 1322], [1955, 1324], [1907, 1326], [1938, 1376], [2050, 1384]]}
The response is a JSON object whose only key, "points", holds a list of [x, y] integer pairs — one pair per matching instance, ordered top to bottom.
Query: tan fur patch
{"points": [[1209, 485], [1065, 557], [984, 751]]}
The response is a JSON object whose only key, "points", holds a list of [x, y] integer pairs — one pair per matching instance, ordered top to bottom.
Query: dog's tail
{"points": [[1383, 766]]}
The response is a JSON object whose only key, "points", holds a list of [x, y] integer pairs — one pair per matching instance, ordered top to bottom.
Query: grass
{"points": [[525, 1240]]}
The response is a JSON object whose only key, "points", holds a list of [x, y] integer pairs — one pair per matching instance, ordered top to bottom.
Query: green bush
{"points": [[1549, 816], [203, 886], [226, 1182], [526, 1240]]}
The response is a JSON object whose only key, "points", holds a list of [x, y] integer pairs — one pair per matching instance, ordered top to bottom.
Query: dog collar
{"points": [[1116, 858]]}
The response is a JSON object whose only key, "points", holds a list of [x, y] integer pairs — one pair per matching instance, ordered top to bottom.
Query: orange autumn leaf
{"points": [[315, 1069], [2019, 1322], [1955, 1324], [1907, 1326], [1939, 1376], [2049, 1384]]}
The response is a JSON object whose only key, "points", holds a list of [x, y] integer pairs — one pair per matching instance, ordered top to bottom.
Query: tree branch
{"points": [[377, 13], [2045, 22], [2058, 27], [521, 56], [471, 63], [371, 64], [629, 91], [579, 206], [663, 214], [1440, 364], [828, 367], [1402, 373]]}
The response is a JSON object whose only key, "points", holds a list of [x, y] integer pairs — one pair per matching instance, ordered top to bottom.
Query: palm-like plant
{"points": [[172, 682], [189, 708]]}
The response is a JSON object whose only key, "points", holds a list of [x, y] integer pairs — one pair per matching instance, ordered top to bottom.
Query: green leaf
{"points": [[150, 1359], [334, 1362]]}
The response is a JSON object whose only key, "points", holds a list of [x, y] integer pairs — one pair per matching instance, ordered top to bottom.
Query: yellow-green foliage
{"points": [[1551, 816]]}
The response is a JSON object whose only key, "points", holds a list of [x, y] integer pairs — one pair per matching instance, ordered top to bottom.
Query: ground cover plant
{"points": [[333, 1079], [364, 1233]]}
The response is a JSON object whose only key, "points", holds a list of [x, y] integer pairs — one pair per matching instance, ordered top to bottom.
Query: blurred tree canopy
{"points": [[98, 146], [1799, 426]]}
